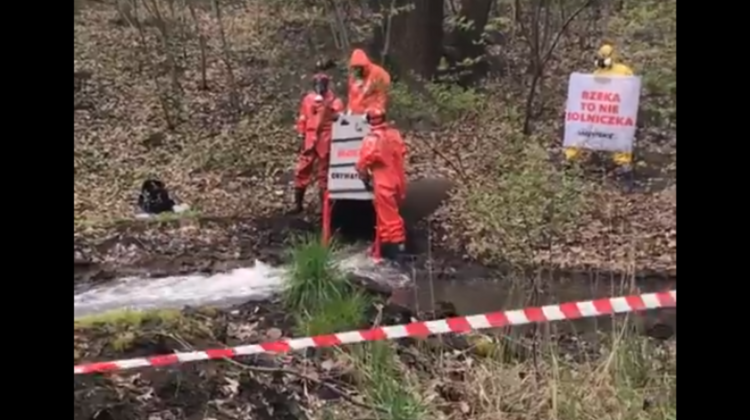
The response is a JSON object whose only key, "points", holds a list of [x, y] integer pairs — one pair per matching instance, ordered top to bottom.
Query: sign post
{"points": [[601, 112], [343, 180]]}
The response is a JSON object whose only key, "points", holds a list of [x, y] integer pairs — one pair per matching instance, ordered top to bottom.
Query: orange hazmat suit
{"points": [[368, 84], [317, 112], [381, 164]]}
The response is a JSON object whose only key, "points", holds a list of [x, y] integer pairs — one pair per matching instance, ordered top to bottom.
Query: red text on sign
{"points": [[600, 96], [600, 107], [600, 119], [348, 153]]}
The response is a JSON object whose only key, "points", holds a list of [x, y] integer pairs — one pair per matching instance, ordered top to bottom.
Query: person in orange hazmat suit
{"points": [[607, 65], [368, 84], [318, 110], [381, 167]]}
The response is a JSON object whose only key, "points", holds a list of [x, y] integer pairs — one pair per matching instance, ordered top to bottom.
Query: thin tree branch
{"points": [[564, 28]]}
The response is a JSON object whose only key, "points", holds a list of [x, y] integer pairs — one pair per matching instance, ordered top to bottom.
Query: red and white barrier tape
{"points": [[571, 310]]}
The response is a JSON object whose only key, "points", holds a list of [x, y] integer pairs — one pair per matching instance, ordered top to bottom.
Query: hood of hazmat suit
{"points": [[607, 64], [368, 84]]}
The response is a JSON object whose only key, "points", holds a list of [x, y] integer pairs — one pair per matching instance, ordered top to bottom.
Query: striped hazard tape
{"points": [[571, 310]]}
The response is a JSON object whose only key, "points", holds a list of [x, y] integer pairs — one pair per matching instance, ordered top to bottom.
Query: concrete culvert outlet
{"points": [[423, 197], [355, 220]]}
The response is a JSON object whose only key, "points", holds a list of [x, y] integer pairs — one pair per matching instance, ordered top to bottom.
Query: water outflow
{"points": [[223, 289]]}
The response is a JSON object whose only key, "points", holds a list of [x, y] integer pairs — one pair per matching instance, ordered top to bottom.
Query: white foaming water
{"points": [[240, 285]]}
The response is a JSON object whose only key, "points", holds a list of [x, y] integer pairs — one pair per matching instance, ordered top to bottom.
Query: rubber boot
{"points": [[299, 198], [386, 251], [399, 251], [392, 252]]}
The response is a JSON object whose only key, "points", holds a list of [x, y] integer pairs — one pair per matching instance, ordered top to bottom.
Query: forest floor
{"points": [[227, 164]]}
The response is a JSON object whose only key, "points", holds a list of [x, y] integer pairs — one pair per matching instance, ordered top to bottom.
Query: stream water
{"points": [[258, 282], [468, 295]]}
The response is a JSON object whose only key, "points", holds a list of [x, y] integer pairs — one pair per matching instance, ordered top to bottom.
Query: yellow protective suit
{"points": [[607, 66]]}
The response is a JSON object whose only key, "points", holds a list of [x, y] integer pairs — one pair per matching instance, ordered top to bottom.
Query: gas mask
{"points": [[603, 63], [358, 73], [320, 85], [374, 119]]}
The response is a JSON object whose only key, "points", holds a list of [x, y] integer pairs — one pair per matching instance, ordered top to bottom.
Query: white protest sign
{"points": [[601, 112], [343, 180]]}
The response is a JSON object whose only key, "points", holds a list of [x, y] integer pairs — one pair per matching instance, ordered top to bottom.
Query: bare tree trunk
{"points": [[125, 10], [339, 15], [176, 17], [135, 21], [333, 22], [417, 25], [163, 28], [387, 33], [466, 38], [201, 44], [542, 44], [227, 58]]}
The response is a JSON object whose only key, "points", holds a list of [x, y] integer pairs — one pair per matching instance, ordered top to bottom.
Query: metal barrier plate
{"points": [[343, 181]]}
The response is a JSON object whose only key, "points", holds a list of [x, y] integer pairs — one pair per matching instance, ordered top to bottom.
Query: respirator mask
{"points": [[603, 63], [358, 73], [320, 85]]}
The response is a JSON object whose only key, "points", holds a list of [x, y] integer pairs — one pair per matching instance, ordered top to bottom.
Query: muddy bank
{"points": [[218, 244], [195, 245], [208, 245], [211, 246], [437, 276], [258, 387], [183, 391]]}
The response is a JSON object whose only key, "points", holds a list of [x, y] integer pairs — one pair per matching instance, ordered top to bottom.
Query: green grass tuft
{"points": [[313, 280], [324, 302], [341, 313], [128, 318], [123, 325], [384, 384]]}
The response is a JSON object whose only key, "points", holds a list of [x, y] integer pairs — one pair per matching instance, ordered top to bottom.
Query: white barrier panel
{"points": [[601, 112], [343, 181]]}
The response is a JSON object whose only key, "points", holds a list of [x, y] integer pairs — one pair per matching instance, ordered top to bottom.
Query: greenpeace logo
{"points": [[596, 134]]}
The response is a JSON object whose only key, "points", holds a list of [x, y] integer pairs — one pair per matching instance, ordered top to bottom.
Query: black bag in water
{"points": [[154, 197]]}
